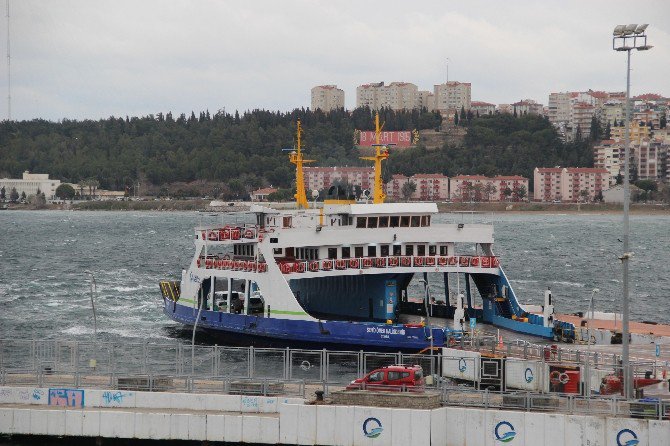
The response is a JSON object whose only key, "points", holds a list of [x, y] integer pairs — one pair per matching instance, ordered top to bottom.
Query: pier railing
{"points": [[296, 372]]}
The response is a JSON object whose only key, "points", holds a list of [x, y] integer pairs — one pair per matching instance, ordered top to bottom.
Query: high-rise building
{"points": [[451, 96], [327, 98]]}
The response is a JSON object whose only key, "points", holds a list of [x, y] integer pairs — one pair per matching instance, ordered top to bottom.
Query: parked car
{"points": [[392, 378]]}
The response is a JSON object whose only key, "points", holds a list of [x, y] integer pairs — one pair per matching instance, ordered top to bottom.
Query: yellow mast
{"points": [[381, 153], [296, 158]]}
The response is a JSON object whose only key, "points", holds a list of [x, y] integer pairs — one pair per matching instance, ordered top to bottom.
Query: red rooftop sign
{"points": [[399, 139]]}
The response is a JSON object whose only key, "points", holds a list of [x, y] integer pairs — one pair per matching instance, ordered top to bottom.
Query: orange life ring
{"points": [[225, 233], [248, 233], [235, 234], [203, 235], [213, 236], [393, 261], [406, 261], [418, 261], [430, 261], [442, 261], [453, 261], [464, 261], [474, 261], [198, 262], [367, 262], [380, 262], [486, 262], [495, 262], [208, 263], [355, 263], [340, 264], [327, 265], [314, 266], [262, 267], [299, 267], [285, 268]]}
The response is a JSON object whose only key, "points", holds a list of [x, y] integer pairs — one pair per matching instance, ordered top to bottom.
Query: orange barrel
{"points": [[572, 386]]}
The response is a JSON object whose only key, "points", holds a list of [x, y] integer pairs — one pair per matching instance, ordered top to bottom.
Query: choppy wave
{"points": [[44, 277]]}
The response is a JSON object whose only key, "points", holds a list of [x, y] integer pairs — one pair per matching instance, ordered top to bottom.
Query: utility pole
{"points": [[9, 71]]}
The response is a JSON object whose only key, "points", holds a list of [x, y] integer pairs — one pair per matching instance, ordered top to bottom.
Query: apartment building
{"points": [[396, 95], [451, 96], [327, 98], [426, 99], [528, 107], [559, 107], [482, 108], [581, 115], [637, 131], [609, 155], [318, 178], [30, 183], [569, 184], [429, 187], [464, 188]]}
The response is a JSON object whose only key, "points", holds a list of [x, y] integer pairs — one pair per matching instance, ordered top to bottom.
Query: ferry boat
{"points": [[337, 277]]}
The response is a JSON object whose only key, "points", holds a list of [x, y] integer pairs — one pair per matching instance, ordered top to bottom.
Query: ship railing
{"points": [[229, 233], [215, 262], [388, 262]]}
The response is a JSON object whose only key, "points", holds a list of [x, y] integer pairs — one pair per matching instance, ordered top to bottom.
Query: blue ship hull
{"points": [[341, 335]]}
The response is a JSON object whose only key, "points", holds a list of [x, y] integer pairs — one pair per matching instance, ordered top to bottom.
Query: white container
{"points": [[460, 364]]}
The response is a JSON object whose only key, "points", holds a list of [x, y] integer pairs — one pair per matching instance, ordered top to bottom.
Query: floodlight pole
{"points": [[625, 34]]}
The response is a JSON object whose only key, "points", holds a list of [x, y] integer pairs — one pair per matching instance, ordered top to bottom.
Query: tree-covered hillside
{"points": [[498, 145], [242, 152]]}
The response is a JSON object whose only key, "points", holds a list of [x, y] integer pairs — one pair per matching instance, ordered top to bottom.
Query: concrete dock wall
{"points": [[234, 418]]}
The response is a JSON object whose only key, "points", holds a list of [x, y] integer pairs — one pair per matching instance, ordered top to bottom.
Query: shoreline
{"points": [[491, 208]]}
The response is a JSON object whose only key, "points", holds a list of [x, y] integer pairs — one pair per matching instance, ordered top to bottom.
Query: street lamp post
{"points": [[627, 38]]}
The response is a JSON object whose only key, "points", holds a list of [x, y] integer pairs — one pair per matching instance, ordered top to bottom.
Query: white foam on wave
{"points": [[525, 281], [575, 284]]}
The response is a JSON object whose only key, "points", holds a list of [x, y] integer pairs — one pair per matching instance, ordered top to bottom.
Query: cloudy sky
{"points": [[93, 59]]}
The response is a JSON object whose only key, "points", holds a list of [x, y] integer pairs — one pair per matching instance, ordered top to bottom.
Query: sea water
{"points": [[47, 259]]}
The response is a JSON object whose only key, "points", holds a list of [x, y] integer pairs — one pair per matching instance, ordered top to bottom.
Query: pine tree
{"points": [[456, 118], [608, 131]]}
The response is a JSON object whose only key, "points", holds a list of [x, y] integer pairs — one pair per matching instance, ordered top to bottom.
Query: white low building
{"points": [[30, 184]]}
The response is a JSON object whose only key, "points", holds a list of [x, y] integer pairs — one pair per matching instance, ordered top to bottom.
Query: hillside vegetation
{"points": [[241, 152]]}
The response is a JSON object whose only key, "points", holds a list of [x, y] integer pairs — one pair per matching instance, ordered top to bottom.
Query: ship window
{"points": [[425, 220], [404, 221], [416, 221], [286, 222], [360, 222], [372, 222], [383, 222], [395, 222], [397, 250], [409, 250], [421, 250], [432, 250], [443, 250], [278, 251], [358, 251], [372, 251], [384, 251], [346, 252], [332, 253]]}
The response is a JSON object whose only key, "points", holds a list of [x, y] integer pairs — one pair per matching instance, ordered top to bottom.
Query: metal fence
{"points": [[248, 370]]}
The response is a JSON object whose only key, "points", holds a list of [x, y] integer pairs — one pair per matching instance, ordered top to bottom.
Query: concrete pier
{"points": [[278, 420]]}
